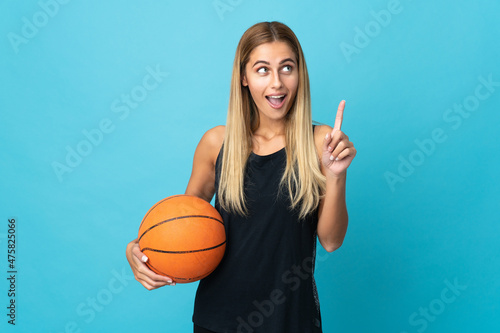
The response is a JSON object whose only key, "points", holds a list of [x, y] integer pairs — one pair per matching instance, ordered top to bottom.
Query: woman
{"points": [[279, 183]]}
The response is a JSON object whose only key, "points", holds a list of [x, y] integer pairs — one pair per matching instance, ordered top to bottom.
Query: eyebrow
{"points": [[267, 63]]}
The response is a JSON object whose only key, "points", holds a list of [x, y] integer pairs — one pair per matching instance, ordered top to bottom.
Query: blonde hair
{"points": [[302, 175]]}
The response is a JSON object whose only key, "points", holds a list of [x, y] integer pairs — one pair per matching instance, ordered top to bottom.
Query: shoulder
{"points": [[320, 132], [214, 136], [211, 142]]}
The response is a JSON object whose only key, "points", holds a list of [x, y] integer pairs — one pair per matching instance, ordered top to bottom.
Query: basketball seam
{"points": [[159, 202], [178, 218], [181, 252]]}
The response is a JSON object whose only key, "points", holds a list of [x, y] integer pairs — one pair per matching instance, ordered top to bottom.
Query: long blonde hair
{"points": [[302, 175]]}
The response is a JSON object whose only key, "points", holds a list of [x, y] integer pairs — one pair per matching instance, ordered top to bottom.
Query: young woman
{"points": [[279, 183]]}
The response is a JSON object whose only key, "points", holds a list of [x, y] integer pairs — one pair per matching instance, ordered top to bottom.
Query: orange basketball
{"points": [[183, 237]]}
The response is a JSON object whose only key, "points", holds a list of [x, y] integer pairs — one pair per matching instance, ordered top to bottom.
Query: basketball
{"points": [[184, 238]]}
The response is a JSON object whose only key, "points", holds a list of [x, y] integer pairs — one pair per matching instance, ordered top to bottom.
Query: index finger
{"points": [[340, 116]]}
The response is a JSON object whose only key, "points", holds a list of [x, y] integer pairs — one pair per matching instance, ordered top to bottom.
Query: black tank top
{"points": [[265, 281]]}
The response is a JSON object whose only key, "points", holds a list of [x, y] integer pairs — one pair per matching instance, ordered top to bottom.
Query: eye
{"points": [[287, 68], [262, 70]]}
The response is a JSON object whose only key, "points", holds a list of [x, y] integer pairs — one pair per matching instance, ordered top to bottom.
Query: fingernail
{"points": [[326, 137], [331, 157], [337, 159], [144, 258], [173, 284]]}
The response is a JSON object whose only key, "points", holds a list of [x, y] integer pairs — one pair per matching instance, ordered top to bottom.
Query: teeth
{"points": [[280, 96]]}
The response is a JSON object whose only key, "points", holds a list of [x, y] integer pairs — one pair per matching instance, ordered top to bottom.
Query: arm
{"points": [[336, 154], [202, 181], [201, 184], [333, 219]]}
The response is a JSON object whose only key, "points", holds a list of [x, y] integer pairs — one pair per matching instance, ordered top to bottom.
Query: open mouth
{"points": [[276, 101]]}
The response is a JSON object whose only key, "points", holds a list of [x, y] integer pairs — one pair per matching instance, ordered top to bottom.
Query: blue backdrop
{"points": [[103, 103]]}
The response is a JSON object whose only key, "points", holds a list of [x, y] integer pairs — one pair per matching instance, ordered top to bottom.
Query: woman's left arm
{"points": [[337, 153]]}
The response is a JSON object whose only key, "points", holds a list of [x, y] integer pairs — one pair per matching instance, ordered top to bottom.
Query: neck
{"points": [[270, 129]]}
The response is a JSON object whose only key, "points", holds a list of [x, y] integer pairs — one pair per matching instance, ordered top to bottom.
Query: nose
{"points": [[276, 81]]}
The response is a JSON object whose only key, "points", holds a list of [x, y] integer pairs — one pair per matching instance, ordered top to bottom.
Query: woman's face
{"points": [[272, 77]]}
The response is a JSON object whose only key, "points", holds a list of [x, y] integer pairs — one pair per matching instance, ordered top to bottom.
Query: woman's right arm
{"points": [[202, 181], [201, 184]]}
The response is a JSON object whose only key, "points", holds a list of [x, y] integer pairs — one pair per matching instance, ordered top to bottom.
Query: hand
{"points": [[338, 151], [149, 279]]}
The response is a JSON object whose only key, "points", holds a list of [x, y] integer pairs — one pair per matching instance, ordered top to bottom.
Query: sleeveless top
{"points": [[265, 280]]}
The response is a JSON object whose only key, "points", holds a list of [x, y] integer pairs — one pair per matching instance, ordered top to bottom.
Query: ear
{"points": [[244, 81]]}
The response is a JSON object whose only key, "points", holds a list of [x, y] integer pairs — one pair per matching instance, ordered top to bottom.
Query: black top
{"points": [[265, 281]]}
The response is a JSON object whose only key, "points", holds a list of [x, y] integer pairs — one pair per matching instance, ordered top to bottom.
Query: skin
{"points": [[272, 69]]}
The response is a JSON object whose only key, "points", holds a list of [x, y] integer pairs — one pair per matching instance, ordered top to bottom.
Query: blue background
{"points": [[409, 238]]}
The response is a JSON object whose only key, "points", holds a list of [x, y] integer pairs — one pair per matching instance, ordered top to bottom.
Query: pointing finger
{"points": [[340, 116]]}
